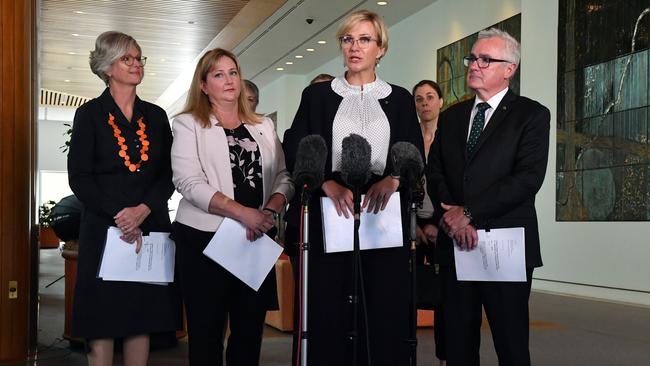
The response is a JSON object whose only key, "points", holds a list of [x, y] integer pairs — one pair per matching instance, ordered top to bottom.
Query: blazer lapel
{"points": [[497, 117], [463, 125]]}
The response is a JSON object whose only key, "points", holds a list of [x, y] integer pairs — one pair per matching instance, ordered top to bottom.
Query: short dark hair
{"points": [[320, 78], [431, 83], [254, 89]]}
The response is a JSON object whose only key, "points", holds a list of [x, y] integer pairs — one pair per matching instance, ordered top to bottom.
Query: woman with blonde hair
{"points": [[357, 102], [227, 163], [119, 168]]}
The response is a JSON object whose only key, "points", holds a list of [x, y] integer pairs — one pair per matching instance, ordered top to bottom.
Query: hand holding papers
{"points": [[381, 230], [499, 256], [249, 261], [154, 262]]}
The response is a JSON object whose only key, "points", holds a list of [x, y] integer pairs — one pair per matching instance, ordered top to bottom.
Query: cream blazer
{"points": [[201, 166]]}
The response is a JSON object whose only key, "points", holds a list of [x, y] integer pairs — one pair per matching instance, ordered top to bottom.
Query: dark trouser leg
{"points": [[203, 293], [506, 308], [247, 313], [463, 318], [439, 331]]}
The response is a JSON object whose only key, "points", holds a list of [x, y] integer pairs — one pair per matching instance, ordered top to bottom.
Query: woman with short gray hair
{"points": [[119, 167]]}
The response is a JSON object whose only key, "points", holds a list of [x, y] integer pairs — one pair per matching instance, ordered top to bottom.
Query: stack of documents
{"points": [[381, 230], [499, 256], [154, 263]]}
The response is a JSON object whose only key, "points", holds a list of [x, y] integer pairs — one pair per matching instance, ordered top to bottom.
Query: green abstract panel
{"points": [[603, 155]]}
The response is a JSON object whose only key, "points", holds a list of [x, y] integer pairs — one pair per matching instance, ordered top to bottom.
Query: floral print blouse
{"points": [[246, 165]]}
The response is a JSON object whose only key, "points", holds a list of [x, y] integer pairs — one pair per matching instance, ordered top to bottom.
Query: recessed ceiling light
{"points": [[382, 3], [79, 12], [75, 34], [322, 42], [310, 50], [72, 53], [298, 56], [163, 60], [289, 63], [279, 68], [152, 74], [66, 80]]}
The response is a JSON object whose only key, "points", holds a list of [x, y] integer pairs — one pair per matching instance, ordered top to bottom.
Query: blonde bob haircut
{"points": [[365, 16], [109, 47], [198, 103]]}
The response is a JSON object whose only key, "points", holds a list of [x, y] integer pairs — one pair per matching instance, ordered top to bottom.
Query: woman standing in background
{"points": [[428, 102]]}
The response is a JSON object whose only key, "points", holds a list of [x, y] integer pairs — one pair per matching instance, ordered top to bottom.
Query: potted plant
{"points": [[68, 133], [47, 237]]}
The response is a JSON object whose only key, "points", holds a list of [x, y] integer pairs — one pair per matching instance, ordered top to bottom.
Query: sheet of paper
{"points": [[381, 230], [499, 256], [249, 261], [154, 263]]}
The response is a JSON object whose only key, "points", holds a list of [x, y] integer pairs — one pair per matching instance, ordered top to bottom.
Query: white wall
{"points": [[282, 96], [52, 162], [580, 258]]}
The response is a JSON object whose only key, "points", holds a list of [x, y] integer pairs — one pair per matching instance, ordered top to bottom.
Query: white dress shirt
{"points": [[493, 102]]}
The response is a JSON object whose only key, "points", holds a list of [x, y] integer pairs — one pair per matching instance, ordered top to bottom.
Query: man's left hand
{"points": [[454, 219]]}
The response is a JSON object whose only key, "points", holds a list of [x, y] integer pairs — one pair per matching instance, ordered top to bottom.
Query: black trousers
{"points": [[212, 295], [506, 308]]}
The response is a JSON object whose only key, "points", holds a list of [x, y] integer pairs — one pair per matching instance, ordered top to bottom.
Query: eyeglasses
{"points": [[362, 42], [128, 60], [482, 62]]}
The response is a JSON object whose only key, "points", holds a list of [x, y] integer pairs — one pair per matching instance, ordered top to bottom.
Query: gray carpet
{"points": [[564, 331]]}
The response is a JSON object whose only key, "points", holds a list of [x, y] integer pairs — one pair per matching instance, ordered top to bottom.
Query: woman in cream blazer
{"points": [[227, 162]]}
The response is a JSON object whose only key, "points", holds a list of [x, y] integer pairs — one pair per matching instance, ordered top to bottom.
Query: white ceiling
{"points": [[174, 33]]}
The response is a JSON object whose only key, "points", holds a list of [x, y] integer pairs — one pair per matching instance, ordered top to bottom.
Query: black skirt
{"points": [[115, 309]]}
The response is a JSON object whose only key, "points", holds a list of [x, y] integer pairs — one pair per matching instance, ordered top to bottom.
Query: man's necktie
{"points": [[477, 127]]}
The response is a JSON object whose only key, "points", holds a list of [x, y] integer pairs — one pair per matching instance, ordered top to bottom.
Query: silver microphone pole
{"points": [[304, 271]]}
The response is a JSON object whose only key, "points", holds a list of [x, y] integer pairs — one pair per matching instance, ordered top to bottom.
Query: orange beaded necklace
{"points": [[123, 148]]}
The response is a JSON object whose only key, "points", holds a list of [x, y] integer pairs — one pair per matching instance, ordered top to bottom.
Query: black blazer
{"points": [[318, 107], [315, 115], [97, 174], [499, 182]]}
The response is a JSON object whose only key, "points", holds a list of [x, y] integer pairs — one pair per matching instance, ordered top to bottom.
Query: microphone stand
{"points": [[416, 197], [356, 260], [304, 267]]}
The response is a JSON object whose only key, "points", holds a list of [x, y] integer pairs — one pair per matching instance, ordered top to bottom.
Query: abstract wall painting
{"points": [[603, 156]]}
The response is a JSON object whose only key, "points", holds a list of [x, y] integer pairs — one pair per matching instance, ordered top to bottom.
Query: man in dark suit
{"points": [[486, 164]]}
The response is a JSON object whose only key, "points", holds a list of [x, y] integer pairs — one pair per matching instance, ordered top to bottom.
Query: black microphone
{"points": [[355, 160], [407, 163], [309, 168]]}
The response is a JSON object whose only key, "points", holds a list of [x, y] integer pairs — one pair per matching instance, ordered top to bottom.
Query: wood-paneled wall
{"points": [[17, 166]]}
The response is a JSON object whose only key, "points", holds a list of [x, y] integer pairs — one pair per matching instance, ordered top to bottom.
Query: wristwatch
{"points": [[272, 211], [468, 214]]}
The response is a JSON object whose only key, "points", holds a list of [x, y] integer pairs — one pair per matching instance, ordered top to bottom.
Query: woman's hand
{"points": [[379, 193], [341, 196], [129, 219], [257, 222], [430, 232], [134, 236], [420, 238]]}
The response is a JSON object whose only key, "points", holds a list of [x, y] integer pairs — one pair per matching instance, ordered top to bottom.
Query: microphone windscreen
{"points": [[355, 160], [407, 160], [310, 162]]}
